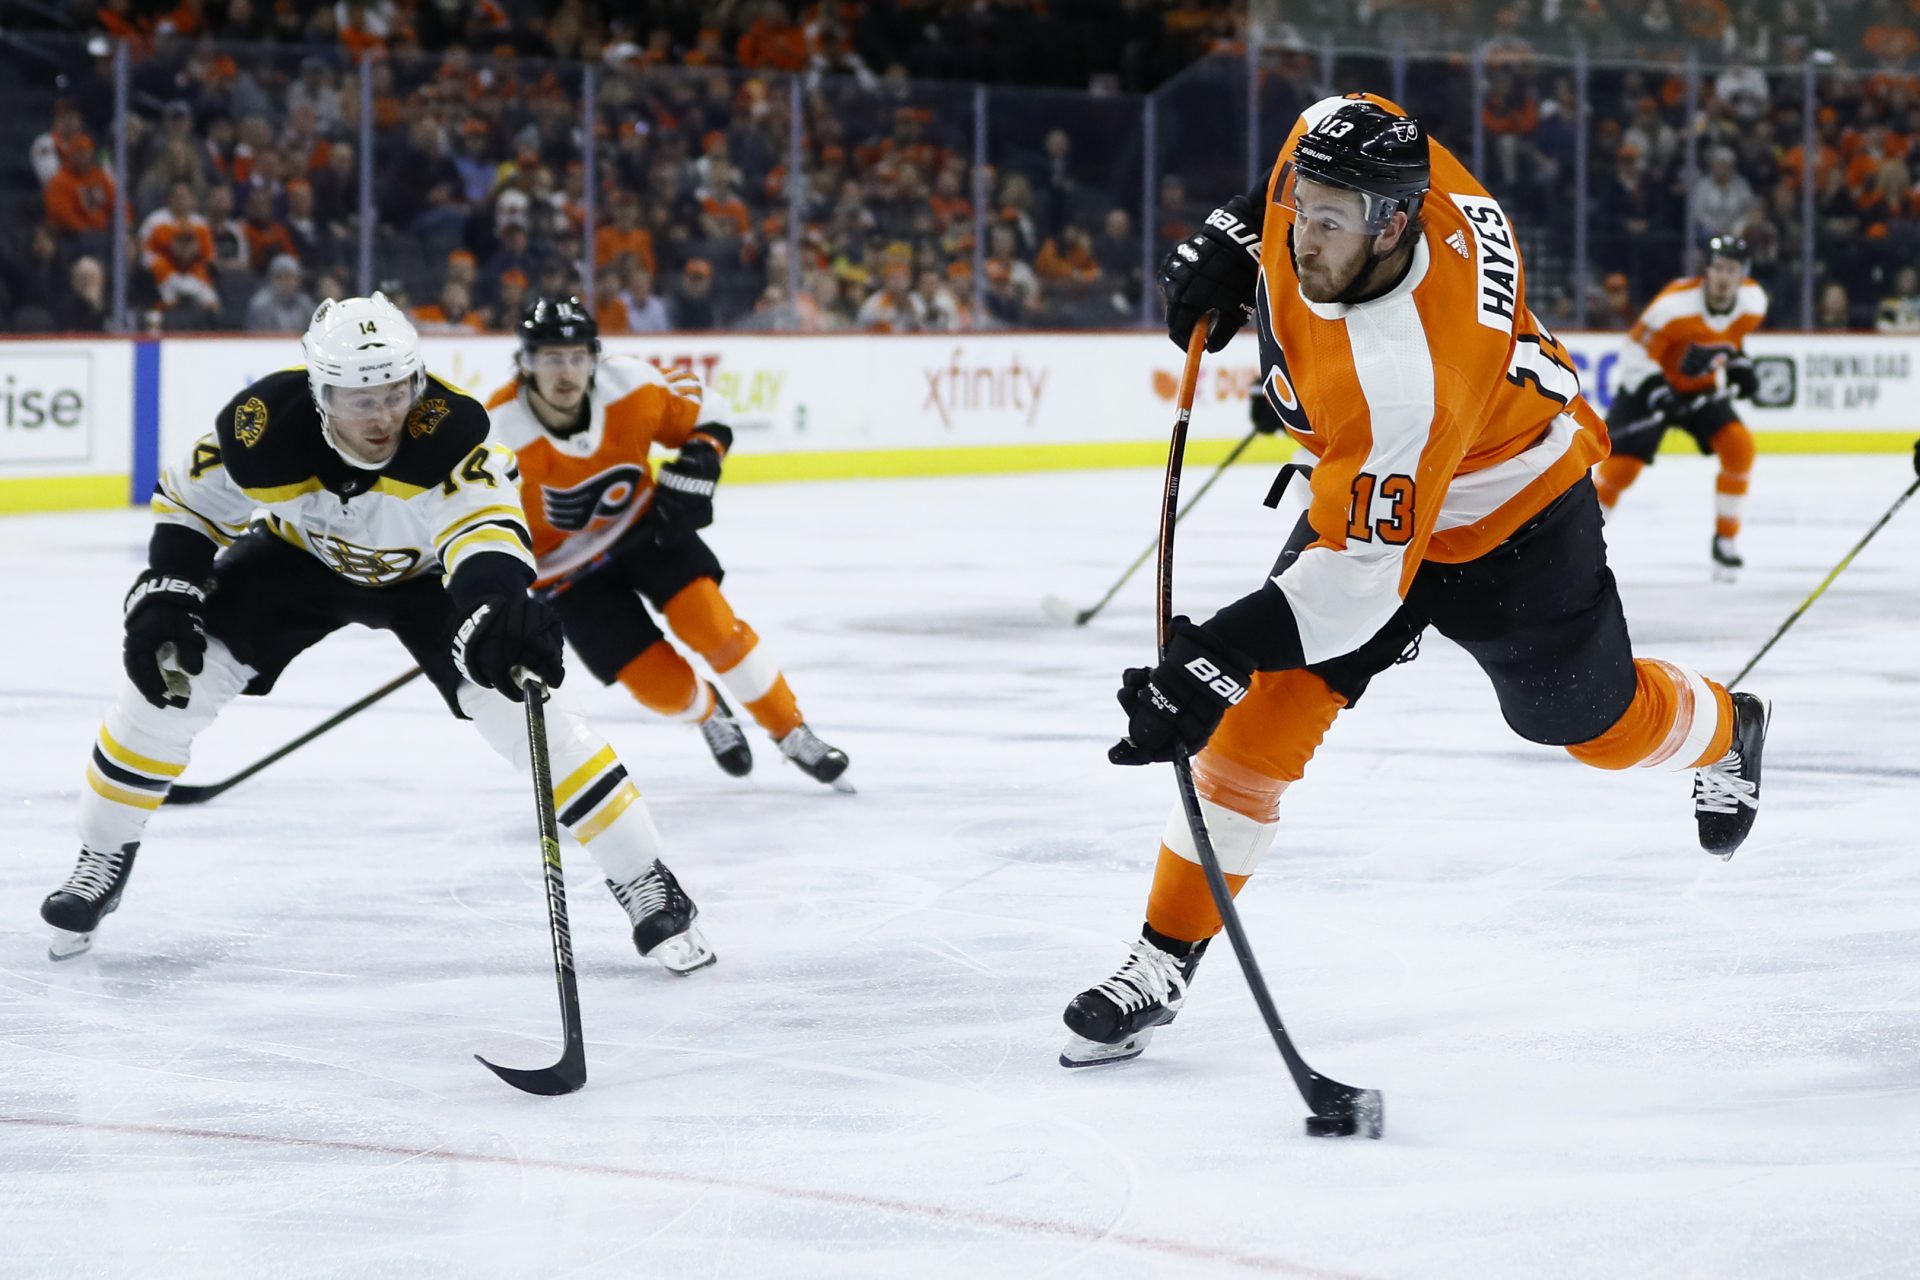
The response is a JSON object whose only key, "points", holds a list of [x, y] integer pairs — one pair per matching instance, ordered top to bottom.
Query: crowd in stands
{"points": [[245, 201]]}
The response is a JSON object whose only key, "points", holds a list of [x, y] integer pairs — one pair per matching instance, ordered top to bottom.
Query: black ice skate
{"points": [[1726, 559], [726, 740], [816, 759], [1726, 793], [91, 892], [663, 917], [1113, 1020]]}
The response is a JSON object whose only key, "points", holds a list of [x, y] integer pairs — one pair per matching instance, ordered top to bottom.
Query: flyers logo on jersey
{"points": [[1497, 262], [427, 415], [249, 422], [605, 497]]}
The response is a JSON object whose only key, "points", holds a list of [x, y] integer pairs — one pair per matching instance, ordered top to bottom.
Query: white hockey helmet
{"points": [[359, 342]]}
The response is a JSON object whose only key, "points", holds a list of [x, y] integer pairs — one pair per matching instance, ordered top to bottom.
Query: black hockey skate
{"points": [[1727, 561], [726, 740], [816, 759], [1726, 793], [93, 890], [663, 920], [1112, 1021]]}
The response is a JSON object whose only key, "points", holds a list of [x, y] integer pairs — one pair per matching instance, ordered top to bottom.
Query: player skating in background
{"points": [[1683, 364], [1449, 489], [387, 506], [611, 539]]}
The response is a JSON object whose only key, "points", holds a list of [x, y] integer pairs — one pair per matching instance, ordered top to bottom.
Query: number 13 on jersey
{"points": [[1381, 508]]}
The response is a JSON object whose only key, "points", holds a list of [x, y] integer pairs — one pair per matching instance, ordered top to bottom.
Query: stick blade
{"points": [[1062, 611], [187, 793], [564, 1076], [1342, 1111]]}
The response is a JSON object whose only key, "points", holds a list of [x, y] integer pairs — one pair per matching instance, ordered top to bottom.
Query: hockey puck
{"points": [[1332, 1126]]}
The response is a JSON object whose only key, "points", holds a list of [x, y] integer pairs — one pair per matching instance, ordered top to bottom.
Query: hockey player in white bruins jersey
{"points": [[385, 505]]}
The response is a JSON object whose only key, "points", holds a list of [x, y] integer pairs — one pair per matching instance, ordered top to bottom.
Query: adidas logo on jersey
{"points": [[1458, 243]]}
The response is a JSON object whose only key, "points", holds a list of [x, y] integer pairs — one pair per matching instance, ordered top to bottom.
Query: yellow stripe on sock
{"points": [[134, 760], [579, 778], [120, 795], [609, 811]]}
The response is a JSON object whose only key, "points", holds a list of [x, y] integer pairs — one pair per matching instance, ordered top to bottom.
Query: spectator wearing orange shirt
{"points": [[772, 43], [708, 52], [79, 198], [720, 202], [266, 236], [624, 236], [610, 303], [454, 312]]}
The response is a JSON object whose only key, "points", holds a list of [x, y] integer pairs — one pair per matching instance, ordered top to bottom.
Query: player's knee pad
{"points": [[1733, 445], [1612, 477], [701, 616], [663, 683], [503, 723], [165, 732], [1266, 739], [1239, 842]]}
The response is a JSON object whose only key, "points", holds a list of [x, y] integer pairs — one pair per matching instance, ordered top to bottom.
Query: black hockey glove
{"points": [[1214, 269], [1743, 380], [1656, 393], [1260, 411], [683, 494], [503, 632], [166, 637], [1180, 702]]}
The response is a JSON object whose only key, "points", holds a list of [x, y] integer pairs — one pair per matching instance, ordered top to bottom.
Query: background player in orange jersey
{"points": [[1682, 367], [1450, 450], [611, 539]]}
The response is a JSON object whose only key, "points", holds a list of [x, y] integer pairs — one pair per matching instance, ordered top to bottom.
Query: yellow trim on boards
{"points": [[63, 493], [75, 493]]}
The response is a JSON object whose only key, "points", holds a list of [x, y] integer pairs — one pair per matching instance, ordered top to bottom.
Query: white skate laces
{"points": [[803, 747], [1720, 788], [93, 877], [642, 897], [1149, 976]]}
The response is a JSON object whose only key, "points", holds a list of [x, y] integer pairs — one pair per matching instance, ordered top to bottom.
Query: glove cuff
{"points": [[682, 483], [150, 585], [1214, 667]]}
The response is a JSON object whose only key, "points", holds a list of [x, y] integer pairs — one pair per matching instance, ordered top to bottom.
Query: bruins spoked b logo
{"points": [[375, 567]]}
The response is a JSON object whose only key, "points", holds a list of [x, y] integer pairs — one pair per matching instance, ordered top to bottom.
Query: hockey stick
{"points": [[1825, 582], [1061, 610], [187, 793], [570, 1072], [1339, 1110]]}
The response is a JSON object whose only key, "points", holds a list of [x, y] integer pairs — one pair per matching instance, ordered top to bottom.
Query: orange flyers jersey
{"points": [[1676, 323], [1438, 417], [584, 491]]}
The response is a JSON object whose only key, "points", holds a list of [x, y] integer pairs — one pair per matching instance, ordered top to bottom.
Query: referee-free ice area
{"points": [[1603, 1052]]}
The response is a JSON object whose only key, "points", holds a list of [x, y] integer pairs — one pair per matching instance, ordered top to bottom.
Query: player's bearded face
{"points": [[1330, 239], [1723, 281], [561, 374], [368, 420]]}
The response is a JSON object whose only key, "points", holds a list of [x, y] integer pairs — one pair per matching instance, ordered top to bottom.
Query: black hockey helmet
{"points": [[1366, 148], [1732, 248], [558, 322]]}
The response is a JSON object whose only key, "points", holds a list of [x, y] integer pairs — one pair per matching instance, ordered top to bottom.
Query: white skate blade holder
{"points": [[66, 944], [684, 952], [1082, 1052]]}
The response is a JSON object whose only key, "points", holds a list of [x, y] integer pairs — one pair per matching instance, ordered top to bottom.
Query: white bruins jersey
{"points": [[447, 494]]}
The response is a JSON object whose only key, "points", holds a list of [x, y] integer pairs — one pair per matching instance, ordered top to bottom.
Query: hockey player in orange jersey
{"points": [[1683, 365], [1450, 450], [611, 539]]}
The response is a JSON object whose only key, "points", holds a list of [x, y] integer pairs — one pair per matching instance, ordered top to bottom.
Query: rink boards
{"points": [[85, 422]]}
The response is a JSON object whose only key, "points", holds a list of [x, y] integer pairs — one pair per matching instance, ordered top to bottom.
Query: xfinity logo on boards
{"points": [[960, 387], [45, 406]]}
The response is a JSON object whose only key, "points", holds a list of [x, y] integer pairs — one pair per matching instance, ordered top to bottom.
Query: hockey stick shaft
{"points": [[1825, 582], [1081, 618], [188, 793], [570, 1072], [1324, 1097]]}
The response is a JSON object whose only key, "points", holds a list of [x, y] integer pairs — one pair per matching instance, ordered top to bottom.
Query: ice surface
{"points": [[1604, 1053]]}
